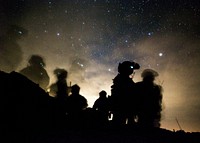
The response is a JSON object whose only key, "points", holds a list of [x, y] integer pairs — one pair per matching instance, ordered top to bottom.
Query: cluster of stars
{"points": [[112, 23], [106, 32]]}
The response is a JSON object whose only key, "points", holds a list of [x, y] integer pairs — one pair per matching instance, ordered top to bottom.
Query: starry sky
{"points": [[90, 37]]}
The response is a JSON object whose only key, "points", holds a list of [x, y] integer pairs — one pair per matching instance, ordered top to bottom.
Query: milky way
{"points": [[89, 38]]}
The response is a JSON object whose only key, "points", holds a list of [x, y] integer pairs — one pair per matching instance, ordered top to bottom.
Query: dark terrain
{"points": [[29, 114]]}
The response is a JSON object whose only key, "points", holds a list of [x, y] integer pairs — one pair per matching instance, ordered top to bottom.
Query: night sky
{"points": [[90, 37]]}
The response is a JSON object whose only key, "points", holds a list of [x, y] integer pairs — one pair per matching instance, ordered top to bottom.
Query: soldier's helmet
{"points": [[36, 60], [127, 67], [60, 73], [149, 73], [75, 89], [102, 93]]}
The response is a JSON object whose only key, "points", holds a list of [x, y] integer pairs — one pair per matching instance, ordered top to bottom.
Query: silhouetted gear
{"points": [[127, 67]]}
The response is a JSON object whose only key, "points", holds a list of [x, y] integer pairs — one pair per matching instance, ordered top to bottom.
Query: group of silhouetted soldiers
{"points": [[130, 103], [136, 103]]}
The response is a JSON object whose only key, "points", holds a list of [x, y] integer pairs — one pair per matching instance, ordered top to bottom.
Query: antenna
{"points": [[178, 124]]}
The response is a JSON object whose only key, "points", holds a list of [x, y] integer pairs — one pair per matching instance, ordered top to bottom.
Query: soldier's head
{"points": [[36, 60], [128, 67], [60, 73], [149, 75], [75, 89], [102, 94]]}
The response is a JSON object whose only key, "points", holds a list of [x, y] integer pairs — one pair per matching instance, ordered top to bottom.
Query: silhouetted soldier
{"points": [[10, 50], [35, 71], [60, 89], [122, 93], [150, 100], [76, 104], [102, 105]]}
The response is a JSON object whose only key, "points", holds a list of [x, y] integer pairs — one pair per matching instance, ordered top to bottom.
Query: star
{"points": [[150, 33], [160, 54]]}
